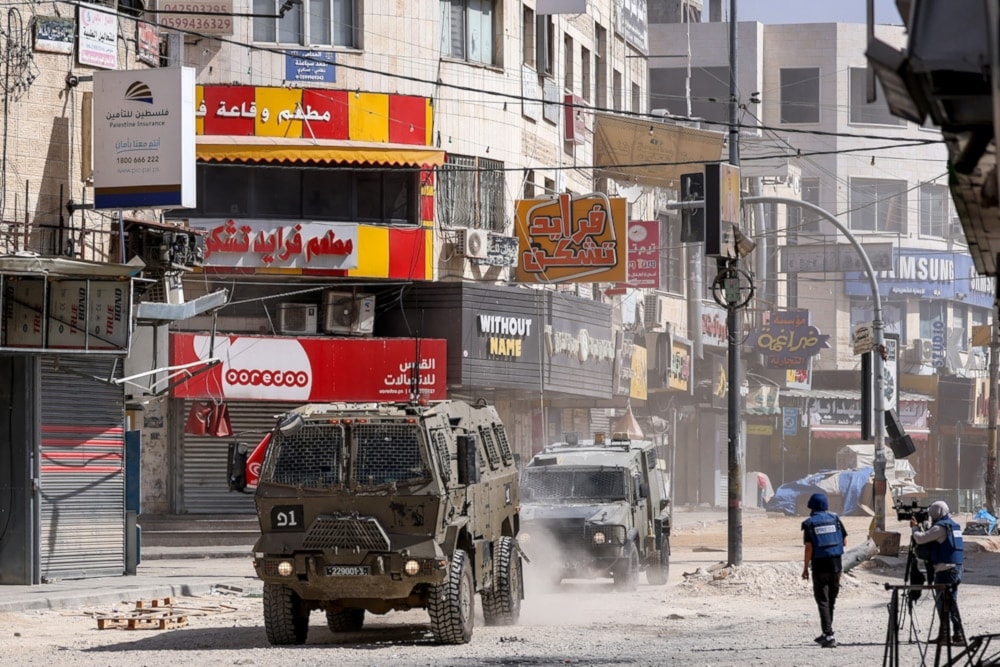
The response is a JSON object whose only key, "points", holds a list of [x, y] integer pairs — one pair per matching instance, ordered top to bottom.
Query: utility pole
{"points": [[734, 409], [990, 480]]}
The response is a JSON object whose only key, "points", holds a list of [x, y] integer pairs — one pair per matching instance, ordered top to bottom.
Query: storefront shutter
{"points": [[82, 481], [202, 485]]}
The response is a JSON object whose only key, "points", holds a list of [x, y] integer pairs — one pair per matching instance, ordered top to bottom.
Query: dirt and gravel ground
{"points": [[759, 613]]}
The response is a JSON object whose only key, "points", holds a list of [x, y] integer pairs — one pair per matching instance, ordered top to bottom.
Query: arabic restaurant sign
{"points": [[98, 39], [144, 138], [571, 239], [272, 244], [788, 340]]}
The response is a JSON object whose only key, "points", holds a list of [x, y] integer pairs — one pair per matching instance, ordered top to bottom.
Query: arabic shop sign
{"points": [[207, 17], [98, 39], [313, 66], [144, 135], [571, 239], [271, 244], [644, 253], [505, 335], [788, 341], [579, 345], [834, 412]]}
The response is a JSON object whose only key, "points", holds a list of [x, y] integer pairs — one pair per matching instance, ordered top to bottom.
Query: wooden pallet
{"points": [[157, 614], [142, 622]]}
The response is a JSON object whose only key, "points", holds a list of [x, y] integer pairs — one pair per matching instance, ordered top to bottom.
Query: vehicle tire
{"points": [[658, 571], [626, 572], [453, 603], [502, 605], [286, 616], [345, 620]]}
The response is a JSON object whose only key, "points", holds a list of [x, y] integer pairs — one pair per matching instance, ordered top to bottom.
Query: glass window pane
{"points": [[319, 22], [344, 23], [290, 27], [263, 28], [800, 95], [876, 113], [226, 192], [277, 192], [397, 193], [326, 194], [369, 196]]}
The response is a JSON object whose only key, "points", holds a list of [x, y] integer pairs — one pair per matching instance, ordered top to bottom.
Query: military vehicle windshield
{"points": [[315, 456], [562, 484]]}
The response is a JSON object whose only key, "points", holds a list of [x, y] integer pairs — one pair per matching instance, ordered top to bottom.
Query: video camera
{"points": [[911, 511]]}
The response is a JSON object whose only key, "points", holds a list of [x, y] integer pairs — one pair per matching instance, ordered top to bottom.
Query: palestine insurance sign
{"points": [[144, 129]]}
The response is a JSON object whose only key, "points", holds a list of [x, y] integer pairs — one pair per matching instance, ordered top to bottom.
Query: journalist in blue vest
{"points": [[824, 537], [945, 555]]}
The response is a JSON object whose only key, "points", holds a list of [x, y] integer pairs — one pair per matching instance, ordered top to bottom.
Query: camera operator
{"points": [[944, 537]]}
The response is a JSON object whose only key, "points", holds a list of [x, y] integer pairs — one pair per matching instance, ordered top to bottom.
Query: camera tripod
{"points": [[901, 614]]}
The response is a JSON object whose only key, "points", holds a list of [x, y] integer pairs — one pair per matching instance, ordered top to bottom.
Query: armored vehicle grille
{"points": [[388, 454], [310, 457], [568, 483], [329, 531], [568, 533]]}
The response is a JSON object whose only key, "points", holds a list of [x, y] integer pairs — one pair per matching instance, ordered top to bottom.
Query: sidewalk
{"points": [[164, 572]]}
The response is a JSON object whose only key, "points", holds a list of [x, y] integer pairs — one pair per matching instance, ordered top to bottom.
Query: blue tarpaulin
{"points": [[849, 483]]}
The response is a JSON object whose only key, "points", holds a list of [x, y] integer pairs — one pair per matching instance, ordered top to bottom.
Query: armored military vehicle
{"points": [[379, 507], [597, 508]]}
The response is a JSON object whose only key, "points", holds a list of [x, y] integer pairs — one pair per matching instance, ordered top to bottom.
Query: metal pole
{"points": [[993, 16], [735, 449]]}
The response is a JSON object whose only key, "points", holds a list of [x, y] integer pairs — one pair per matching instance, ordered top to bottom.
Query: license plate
{"points": [[346, 570]]}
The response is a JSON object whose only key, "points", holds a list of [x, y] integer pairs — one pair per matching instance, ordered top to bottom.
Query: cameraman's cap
{"points": [[818, 502], [937, 510]]}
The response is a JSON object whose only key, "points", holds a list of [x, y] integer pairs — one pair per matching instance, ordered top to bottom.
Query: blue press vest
{"points": [[824, 533], [952, 550]]}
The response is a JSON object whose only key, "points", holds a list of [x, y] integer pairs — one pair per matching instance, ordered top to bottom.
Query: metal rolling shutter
{"points": [[202, 486], [82, 494]]}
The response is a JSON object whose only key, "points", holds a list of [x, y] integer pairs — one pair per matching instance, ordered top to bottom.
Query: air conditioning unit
{"points": [[474, 243], [655, 312], [348, 313], [297, 318], [920, 351]]}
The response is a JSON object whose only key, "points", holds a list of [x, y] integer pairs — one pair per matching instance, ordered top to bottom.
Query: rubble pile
{"points": [[763, 580]]}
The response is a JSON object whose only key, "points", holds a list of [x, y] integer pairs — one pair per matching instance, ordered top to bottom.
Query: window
{"points": [[311, 23], [467, 29], [528, 41], [568, 63], [601, 67], [585, 73], [617, 90], [708, 95], [800, 95], [636, 98], [876, 113], [529, 184], [470, 193], [810, 195], [387, 196], [877, 205], [934, 213], [672, 256], [893, 316], [932, 318], [960, 323]]}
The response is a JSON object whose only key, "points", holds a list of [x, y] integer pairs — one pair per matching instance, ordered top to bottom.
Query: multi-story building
{"points": [[802, 99], [351, 237]]}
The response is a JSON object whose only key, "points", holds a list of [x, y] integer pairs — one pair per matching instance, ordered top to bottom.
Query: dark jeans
{"points": [[826, 586], [945, 602]]}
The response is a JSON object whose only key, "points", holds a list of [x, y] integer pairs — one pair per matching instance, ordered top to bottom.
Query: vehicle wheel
{"points": [[658, 571], [626, 572], [452, 603], [502, 605], [286, 616], [345, 620]]}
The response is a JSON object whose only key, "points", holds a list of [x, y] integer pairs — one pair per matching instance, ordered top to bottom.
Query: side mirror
{"points": [[468, 459], [236, 466], [664, 503]]}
